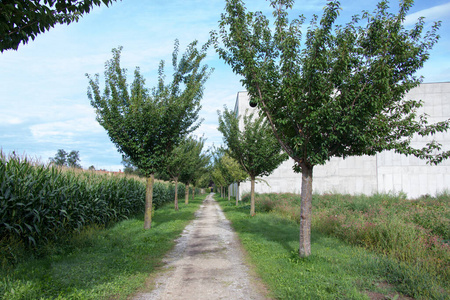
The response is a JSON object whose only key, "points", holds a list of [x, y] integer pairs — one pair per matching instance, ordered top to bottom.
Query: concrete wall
{"points": [[385, 172]]}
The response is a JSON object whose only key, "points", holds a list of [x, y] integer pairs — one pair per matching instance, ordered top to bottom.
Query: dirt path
{"points": [[207, 262]]}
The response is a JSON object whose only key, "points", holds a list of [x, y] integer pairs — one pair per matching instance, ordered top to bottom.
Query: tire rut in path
{"points": [[206, 263]]}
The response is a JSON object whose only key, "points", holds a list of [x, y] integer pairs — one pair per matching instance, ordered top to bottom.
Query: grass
{"points": [[110, 263], [337, 268]]}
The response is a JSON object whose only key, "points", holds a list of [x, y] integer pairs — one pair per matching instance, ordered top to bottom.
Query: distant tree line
{"points": [[62, 158]]}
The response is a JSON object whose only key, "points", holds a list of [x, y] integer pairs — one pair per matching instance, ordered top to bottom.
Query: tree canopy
{"points": [[21, 20], [339, 94], [145, 125]]}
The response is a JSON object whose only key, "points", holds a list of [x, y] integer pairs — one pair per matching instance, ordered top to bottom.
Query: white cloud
{"points": [[435, 13], [10, 120], [64, 131]]}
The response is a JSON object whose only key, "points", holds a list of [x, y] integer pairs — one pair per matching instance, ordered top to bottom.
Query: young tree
{"points": [[21, 20], [342, 93], [146, 125], [255, 147], [237, 173]]}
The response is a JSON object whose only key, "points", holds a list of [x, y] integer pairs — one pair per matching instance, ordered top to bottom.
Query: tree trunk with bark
{"points": [[176, 193], [229, 193], [186, 194], [237, 194], [252, 196], [149, 202], [305, 211]]}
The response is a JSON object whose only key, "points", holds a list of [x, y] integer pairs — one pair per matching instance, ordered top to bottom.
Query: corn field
{"points": [[41, 204]]}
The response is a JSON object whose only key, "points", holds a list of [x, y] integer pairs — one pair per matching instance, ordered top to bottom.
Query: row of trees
{"points": [[340, 94]]}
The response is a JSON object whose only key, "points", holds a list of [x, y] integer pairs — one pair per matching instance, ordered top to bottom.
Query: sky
{"points": [[43, 88]]}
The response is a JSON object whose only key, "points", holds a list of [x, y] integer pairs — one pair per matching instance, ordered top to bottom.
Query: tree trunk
{"points": [[193, 192], [229, 192], [176, 193], [186, 194], [237, 194], [252, 196], [149, 202], [305, 211]]}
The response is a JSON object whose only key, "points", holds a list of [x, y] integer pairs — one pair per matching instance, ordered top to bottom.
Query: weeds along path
{"points": [[206, 263]]}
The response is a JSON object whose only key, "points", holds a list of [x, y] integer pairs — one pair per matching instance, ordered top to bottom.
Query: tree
{"points": [[21, 20], [339, 95], [145, 125], [255, 147], [60, 158], [73, 159], [236, 171]]}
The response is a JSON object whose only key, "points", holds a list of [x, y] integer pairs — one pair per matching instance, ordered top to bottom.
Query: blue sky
{"points": [[43, 102]]}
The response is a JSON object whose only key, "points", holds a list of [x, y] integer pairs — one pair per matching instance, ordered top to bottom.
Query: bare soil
{"points": [[206, 263]]}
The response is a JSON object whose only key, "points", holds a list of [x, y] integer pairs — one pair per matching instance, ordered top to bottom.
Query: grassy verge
{"points": [[100, 263], [335, 270]]}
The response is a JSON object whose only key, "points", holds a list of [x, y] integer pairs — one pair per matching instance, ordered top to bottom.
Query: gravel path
{"points": [[206, 263]]}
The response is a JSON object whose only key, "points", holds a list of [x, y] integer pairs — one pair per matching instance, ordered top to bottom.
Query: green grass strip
{"points": [[108, 263]]}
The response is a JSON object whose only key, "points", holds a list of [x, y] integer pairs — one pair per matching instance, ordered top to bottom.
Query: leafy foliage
{"points": [[21, 20], [341, 93]]}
